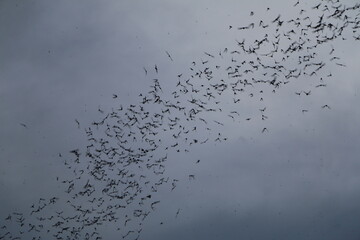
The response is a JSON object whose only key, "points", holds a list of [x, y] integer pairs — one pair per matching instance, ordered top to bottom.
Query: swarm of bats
{"points": [[116, 177]]}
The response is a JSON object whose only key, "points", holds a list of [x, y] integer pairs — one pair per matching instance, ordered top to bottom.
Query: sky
{"points": [[293, 175]]}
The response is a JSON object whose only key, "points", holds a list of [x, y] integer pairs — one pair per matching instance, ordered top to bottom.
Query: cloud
{"points": [[62, 62]]}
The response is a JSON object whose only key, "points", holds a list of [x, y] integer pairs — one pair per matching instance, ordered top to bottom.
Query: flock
{"points": [[115, 179]]}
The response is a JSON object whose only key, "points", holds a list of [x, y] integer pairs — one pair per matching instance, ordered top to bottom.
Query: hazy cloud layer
{"points": [[62, 60]]}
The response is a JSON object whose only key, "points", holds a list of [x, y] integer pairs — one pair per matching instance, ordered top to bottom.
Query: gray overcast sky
{"points": [[64, 60]]}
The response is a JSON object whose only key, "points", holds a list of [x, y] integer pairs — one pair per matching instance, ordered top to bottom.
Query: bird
{"points": [[168, 54], [78, 123], [177, 213]]}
